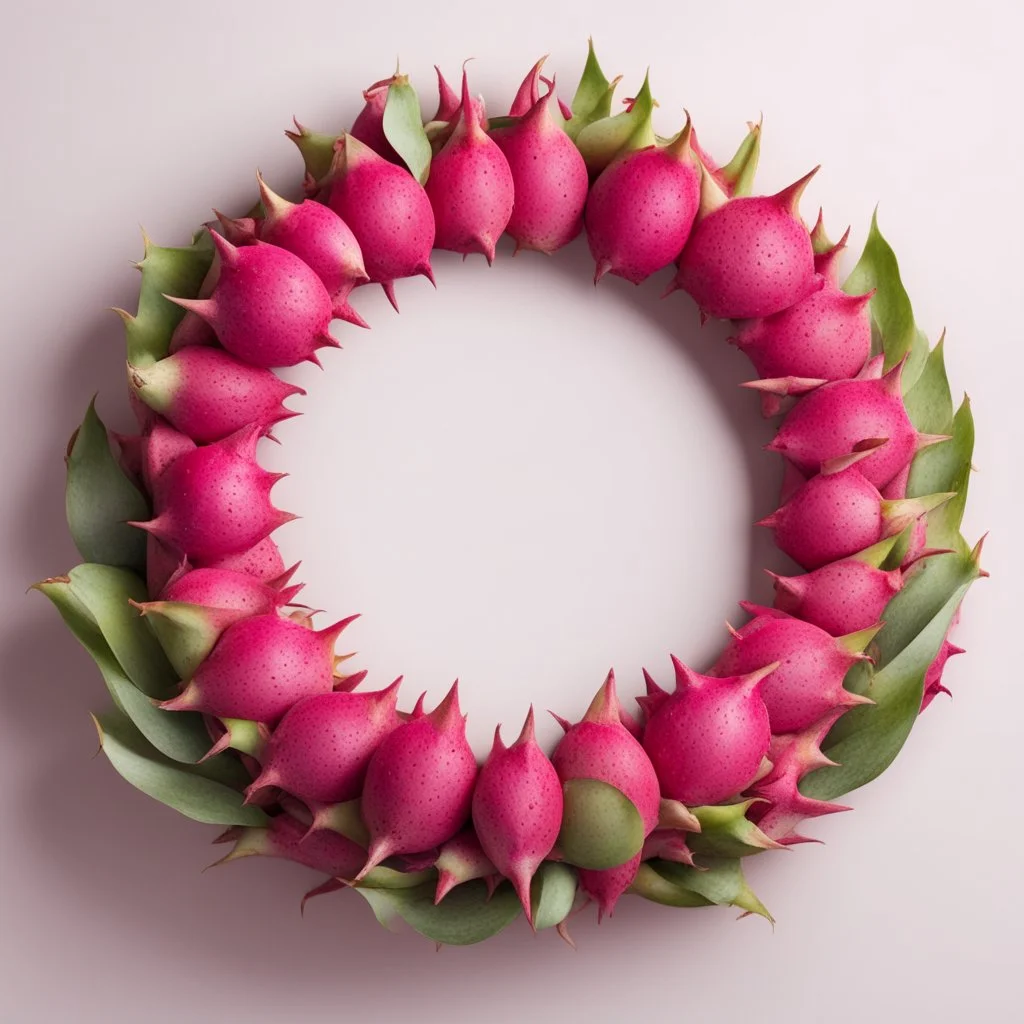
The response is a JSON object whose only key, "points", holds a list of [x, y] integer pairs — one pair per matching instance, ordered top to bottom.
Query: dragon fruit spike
{"points": [[529, 91], [447, 99], [368, 126], [549, 179], [470, 186], [641, 208], [387, 210], [321, 239], [749, 257], [269, 308], [208, 394], [837, 418], [215, 501], [812, 665], [259, 668], [933, 677], [707, 739], [321, 748], [419, 784], [517, 809], [461, 859], [607, 886]]}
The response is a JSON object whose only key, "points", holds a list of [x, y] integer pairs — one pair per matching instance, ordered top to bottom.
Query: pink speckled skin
{"points": [[368, 126], [640, 212], [751, 257], [825, 336], [207, 393], [830, 421], [162, 445], [215, 500], [263, 560], [225, 588], [841, 597], [812, 665], [259, 668], [706, 739], [320, 750], [322, 850], [605, 887]]}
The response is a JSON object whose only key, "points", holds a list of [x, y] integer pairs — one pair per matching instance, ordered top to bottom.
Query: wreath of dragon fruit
{"points": [[230, 706]]}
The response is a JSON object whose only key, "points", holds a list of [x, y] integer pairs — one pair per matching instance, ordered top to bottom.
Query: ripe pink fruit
{"points": [[447, 99], [368, 126], [549, 178], [470, 186], [641, 209], [387, 210], [322, 240], [750, 257], [269, 308], [825, 336], [207, 393], [840, 417], [162, 446], [215, 501], [838, 513], [263, 560], [226, 588], [840, 597], [812, 665], [259, 668], [933, 677], [706, 740], [600, 747], [320, 749], [419, 784], [517, 809], [605, 887]]}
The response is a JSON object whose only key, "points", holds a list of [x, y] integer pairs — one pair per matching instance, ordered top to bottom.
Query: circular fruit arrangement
{"points": [[230, 706]]}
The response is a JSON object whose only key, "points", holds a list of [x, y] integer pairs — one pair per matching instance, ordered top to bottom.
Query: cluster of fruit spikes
{"points": [[230, 707]]}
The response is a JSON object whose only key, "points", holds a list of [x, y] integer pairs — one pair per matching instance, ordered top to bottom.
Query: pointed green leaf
{"points": [[593, 98], [403, 128], [601, 141], [316, 150], [739, 172], [165, 271], [891, 312], [929, 402], [100, 500], [187, 792], [601, 827], [726, 831], [389, 878], [718, 880], [658, 889], [552, 894], [465, 916]]}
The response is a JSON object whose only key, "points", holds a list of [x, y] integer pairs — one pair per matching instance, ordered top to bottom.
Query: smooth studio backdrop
{"points": [[520, 481]]}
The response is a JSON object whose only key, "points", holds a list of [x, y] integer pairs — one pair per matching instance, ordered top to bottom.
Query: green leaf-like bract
{"points": [[593, 97], [403, 128], [604, 139], [100, 500], [601, 827], [726, 831], [717, 880], [552, 893]]}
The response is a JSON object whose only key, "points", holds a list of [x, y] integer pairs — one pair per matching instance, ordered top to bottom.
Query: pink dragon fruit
{"points": [[447, 99], [368, 126], [549, 179], [470, 186], [641, 208], [387, 210], [749, 257], [269, 308], [208, 394], [162, 446], [215, 501], [263, 560], [226, 588], [812, 664], [259, 668], [933, 685], [707, 739], [321, 748], [419, 784], [517, 809], [606, 887]]}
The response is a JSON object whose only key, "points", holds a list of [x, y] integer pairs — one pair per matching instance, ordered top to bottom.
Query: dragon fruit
{"points": [[368, 127], [470, 186], [269, 308], [263, 560], [933, 685], [517, 809]]}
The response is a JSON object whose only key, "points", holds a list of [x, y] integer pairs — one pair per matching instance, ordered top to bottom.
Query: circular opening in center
{"points": [[522, 481]]}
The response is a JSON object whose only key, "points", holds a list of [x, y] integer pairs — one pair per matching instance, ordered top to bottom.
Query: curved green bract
{"points": [[593, 98], [403, 128], [604, 139], [100, 500], [601, 827], [726, 831], [718, 880], [552, 894], [465, 916]]}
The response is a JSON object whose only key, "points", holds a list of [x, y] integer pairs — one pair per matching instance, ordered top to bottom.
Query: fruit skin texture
{"points": [[368, 126], [549, 180], [470, 186], [641, 208], [387, 210], [750, 257], [269, 308], [825, 336], [208, 394], [834, 419], [215, 501], [263, 560], [225, 588], [841, 597], [812, 664], [259, 668], [706, 740], [321, 748], [419, 784], [517, 809], [606, 887]]}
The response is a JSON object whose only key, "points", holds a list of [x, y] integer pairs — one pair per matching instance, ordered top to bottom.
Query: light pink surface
{"points": [[519, 481]]}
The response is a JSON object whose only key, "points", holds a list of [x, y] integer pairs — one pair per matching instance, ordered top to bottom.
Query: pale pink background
{"points": [[518, 481]]}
